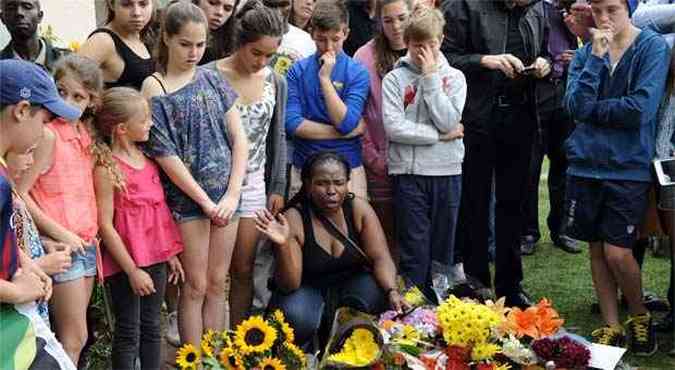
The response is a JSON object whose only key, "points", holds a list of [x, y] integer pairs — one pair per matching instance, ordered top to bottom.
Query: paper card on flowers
{"points": [[605, 357]]}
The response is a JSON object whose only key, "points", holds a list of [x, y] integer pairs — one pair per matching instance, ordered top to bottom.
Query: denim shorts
{"points": [[608, 211], [83, 265]]}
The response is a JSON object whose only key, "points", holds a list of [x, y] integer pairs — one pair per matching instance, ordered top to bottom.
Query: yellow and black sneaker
{"points": [[642, 335], [608, 336]]}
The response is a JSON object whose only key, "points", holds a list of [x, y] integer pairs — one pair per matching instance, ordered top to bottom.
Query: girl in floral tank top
{"points": [[138, 231]]}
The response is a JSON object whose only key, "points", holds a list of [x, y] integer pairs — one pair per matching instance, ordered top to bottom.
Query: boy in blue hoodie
{"points": [[614, 88], [422, 103]]}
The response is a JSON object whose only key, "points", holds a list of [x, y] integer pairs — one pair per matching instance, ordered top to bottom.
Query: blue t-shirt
{"points": [[306, 101], [8, 249]]}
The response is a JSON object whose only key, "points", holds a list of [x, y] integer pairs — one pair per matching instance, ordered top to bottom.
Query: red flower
{"points": [[458, 353], [456, 365]]}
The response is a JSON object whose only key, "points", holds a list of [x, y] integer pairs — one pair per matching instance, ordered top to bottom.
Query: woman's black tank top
{"points": [[136, 69], [320, 268]]}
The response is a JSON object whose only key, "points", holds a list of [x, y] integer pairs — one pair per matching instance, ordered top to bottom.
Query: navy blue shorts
{"points": [[609, 211]]}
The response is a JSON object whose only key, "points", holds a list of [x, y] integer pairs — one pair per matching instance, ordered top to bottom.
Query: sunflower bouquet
{"points": [[257, 343]]}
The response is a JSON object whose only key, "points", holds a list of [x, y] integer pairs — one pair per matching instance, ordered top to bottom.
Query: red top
{"points": [[142, 219]]}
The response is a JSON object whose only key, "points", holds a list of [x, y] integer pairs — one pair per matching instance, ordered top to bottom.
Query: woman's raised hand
{"points": [[275, 228]]}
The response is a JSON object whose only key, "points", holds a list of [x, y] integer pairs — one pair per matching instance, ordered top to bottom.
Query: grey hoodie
{"points": [[416, 111]]}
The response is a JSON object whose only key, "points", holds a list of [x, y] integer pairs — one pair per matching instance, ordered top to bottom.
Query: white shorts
{"points": [[253, 197]]}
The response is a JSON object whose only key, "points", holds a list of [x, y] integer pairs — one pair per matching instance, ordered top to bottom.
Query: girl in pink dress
{"points": [[139, 235]]}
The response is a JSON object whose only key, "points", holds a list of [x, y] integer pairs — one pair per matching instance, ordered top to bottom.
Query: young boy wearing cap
{"points": [[615, 85], [28, 99]]}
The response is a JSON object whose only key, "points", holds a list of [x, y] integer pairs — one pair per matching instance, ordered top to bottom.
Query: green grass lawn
{"points": [[566, 280]]}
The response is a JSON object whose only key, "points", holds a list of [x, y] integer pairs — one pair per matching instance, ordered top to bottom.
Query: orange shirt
{"points": [[65, 192]]}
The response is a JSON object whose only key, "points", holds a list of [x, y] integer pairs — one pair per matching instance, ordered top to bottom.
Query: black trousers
{"points": [[556, 126], [504, 149], [137, 321]]}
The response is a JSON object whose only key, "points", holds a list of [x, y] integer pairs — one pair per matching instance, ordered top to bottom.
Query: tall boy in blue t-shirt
{"points": [[326, 96]]}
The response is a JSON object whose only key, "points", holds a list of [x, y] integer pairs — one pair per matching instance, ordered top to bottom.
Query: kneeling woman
{"points": [[330, 250]]}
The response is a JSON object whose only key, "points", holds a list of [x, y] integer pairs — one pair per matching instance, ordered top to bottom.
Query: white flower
{"points": [[517, 352]]}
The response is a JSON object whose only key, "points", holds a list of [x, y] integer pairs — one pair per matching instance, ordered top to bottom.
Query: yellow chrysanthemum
{"points": [[466, 322], [254, 335], [361, 336], [408, 336], [359, 349], [484, 351], [187, 357], [230, 359], [271, 363]]}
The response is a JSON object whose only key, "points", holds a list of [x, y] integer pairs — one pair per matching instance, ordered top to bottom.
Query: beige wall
{"points": [[72, 20]]}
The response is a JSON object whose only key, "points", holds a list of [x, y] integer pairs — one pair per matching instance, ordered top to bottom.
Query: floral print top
{"points": [[191, 124]]}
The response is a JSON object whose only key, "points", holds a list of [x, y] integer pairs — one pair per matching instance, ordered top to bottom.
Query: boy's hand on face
{"points": [[601, 38], [427, 61], [327, 64]]}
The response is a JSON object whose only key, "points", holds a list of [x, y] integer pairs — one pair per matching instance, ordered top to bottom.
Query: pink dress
{"points": [[142, 219]]}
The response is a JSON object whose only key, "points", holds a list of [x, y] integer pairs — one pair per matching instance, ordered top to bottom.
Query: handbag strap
{"points": [[342, 237]]}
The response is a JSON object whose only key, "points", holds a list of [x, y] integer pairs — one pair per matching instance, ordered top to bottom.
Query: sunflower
{"points": [[277, 315], [287, 330], [255, 335], [209, 336], [207, 348], [296, 352], [187, 357], [230, 359], [271, 363]]}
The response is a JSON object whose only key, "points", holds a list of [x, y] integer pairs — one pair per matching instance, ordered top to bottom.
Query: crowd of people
{"points": [[313, 151]]}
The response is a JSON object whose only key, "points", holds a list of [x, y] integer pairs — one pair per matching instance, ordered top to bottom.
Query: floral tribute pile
{"points": [[459, 334], [463, 334], [257, 343]]}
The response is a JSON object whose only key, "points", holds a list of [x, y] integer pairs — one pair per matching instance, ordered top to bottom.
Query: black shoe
{"points": [[528, 244], [567, 244], [520, 300], [655, 304], [665, 325], [641, 335]]}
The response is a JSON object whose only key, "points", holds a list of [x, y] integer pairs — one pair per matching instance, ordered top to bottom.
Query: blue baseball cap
{"points": [[632, 5], [20, 80]]}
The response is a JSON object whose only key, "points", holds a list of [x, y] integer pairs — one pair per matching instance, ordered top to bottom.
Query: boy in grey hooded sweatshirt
{"points": [[422, 103]]}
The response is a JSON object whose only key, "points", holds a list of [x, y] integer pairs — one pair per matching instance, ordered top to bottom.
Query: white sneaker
{"points": [[172, 335]]}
